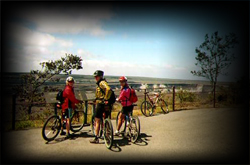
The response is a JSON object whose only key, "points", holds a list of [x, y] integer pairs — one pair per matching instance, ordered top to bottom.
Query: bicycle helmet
{"points": [[98, 73], [123, 78], [70, 79]]}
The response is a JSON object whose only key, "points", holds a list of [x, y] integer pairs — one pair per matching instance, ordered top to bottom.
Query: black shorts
{"points": [[100, 109], [126, 110], [68, 113]]}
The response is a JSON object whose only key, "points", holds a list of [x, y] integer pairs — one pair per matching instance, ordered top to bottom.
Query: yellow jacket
{"points": [[100, 96]]}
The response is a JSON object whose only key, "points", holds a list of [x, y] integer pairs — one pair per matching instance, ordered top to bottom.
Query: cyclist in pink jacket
{"points": [[124, 99]]}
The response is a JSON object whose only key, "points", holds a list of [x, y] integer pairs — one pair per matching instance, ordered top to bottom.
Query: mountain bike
{"points": [[148, 107], [53, 124], [131, 126], [106, 129]]}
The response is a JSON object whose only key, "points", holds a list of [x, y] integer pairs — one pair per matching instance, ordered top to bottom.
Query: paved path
{"points": [[183, 136]]}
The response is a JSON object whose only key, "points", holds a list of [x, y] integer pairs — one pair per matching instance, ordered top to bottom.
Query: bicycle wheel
{"points": [[164, 106], [146, 108], [77, 121], [123, 124], [93, 126], [51, 128], [134, 129], [108, 133]]}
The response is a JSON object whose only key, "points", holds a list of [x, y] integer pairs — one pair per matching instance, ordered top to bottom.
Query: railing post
{"points": [[173, 98], [93, 109], [13, 112], [85, 112]]}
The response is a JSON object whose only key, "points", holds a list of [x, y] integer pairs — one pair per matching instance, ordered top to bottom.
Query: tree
{"points": [[214, 57], [33, 86]]}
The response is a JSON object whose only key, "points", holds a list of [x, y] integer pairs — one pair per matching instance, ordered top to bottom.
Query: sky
{"points": [[139, 40]]}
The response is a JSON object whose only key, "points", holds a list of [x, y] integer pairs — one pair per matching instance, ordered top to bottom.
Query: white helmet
{"points": [[70, 79]]}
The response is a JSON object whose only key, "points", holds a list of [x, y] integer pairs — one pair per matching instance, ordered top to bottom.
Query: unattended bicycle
{"points": [[148, 107], [53, 124], [131, 126], [106, 129]]}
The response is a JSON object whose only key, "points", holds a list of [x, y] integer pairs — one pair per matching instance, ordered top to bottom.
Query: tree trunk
{"points": [[214, 94]]}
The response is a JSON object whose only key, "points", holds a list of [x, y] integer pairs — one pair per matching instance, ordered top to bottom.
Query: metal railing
{"points": [[140, 93]]}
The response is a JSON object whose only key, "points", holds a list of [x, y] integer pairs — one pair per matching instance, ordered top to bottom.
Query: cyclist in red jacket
{"points": [[69, 102]]}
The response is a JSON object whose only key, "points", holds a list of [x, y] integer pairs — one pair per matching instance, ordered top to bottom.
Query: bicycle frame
{"points": [[158, 97]]}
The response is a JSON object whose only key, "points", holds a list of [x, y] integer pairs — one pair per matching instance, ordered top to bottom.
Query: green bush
{"points": [[186, 96], [24, 124]]}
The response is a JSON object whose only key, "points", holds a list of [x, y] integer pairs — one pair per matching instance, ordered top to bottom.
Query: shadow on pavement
{"points": [[74, 136], [143, 140], [118, 143]]}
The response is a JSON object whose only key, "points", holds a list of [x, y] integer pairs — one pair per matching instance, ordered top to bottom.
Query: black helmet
{"points": [[98, 73]]}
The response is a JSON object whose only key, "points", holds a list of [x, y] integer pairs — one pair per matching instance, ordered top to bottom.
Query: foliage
{"points": [[214, 57], [33, 84], [186, 96]]}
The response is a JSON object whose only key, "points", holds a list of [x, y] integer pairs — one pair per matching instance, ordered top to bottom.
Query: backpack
{"points": [[60, 97], [133, 97], [112, 98]]}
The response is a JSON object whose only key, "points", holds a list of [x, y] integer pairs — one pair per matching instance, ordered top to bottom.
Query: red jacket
{"points": [[68, 94]]}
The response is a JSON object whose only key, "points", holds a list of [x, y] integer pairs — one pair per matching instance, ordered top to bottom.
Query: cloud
{"points": [[71, 19], [24, 36], [27, 37], [28, 48], [85, 54], [125, 68]]}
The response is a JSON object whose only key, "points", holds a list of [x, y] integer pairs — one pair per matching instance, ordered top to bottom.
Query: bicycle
{"points": [[148, 107], [53, 124], [131, 126], [106, 127]]}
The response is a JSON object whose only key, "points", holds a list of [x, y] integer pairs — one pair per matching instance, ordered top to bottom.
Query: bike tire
{"points": [[164, 106], [146, 108], [77, 121], [53, 123], [123, 124], [93, 127], [134, 129], [108, 133]]}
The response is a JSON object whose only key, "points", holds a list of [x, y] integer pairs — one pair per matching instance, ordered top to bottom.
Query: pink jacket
{"points": [[124, 97]]}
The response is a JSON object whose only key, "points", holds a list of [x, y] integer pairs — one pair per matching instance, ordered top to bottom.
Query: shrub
{"points": [[186, 96]]}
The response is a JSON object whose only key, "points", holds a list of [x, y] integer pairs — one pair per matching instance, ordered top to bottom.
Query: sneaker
{"points": [[62, 133], [117, 133], [68, 136], [95, 140]]}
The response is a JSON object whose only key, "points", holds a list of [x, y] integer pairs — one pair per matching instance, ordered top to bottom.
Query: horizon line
{"points": [[131, 76]]}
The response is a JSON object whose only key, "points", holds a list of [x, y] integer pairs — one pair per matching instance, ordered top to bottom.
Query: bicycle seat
{"points": [[146, 92], [134, 105]]}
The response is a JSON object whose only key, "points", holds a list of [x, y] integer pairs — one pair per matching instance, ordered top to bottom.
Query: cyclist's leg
{"points": [[107, 111], [69, 114], [98, 115], [121, 118]]}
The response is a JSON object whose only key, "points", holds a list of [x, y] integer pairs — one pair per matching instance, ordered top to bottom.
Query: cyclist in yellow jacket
{"points": [[103, 93]]}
